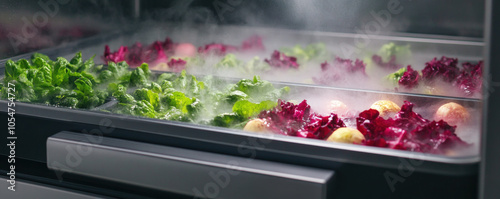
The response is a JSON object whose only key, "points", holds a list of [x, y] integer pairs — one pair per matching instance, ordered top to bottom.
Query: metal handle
{"points": [[197, 173]]}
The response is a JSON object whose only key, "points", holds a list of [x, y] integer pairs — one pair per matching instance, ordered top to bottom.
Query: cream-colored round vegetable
{"points": [[185, 50], [160, 66], [338, 107], [385, 107], [452, 113], [257, 126], [347, 135]]}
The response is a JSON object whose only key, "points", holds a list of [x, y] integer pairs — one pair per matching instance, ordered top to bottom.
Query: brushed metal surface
{"points": [[183, 171]]}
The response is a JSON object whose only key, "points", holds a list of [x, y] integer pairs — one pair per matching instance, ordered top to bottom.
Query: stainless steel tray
{"points": [[424, 48], [458, 164]]}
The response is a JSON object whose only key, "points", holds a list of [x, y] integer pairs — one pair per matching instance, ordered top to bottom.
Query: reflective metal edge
{"points": [[345, 153], [183, 171], [489, 173]]}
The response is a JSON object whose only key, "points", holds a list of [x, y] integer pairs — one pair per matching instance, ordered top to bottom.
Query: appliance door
{"points": [[183, 171]]}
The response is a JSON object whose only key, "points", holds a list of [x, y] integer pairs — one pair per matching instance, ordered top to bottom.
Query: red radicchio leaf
{"points": [[253, 43], [169, 47], [217, 49], [154, 53], [136, 54], [117, 56], [134, 57], [280, 60], [391, 64], [177, 65], [348, 65], [445, 69], [336, 72], [410, 78], [470, 79], [287, 118], [408, 119], [296, 120], [371, 125], [320, 127], [407, 131], [436, 137]]}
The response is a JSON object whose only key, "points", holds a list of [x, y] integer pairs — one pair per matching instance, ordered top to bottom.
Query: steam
{"points": [[274, 39]]}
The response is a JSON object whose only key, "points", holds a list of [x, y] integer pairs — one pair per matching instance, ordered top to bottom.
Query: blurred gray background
{"points": [[76, 19]]}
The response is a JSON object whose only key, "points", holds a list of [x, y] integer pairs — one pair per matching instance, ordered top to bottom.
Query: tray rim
{"points": [[354, 154]]}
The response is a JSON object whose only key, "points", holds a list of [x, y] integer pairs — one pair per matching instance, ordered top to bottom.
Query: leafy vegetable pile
{"points": [[253, 43], [217, 49], [157, 52], [175, 57], [281, 61], [445, 69], [337, 71], [405, 77], [470, 79], [467, 80], [60, 82], [177, 97], [180, 97], [211, 101], [298, 120], [407, 131]]}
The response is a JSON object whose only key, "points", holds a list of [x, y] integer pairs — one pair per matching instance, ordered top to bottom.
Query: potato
{"points": [[185, 50], [160, 67], [385, 107], [338, 108], [452, 113], [257, 125], [347, 135]]}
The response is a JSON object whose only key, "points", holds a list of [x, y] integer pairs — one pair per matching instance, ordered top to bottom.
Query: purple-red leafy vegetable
{"points": [[253, 43], [169, 47], [217, 49], [155, 53], [137, 54], [152, 54], [117, 56], [134, 57], [280, 60], [391, 64], [177, 65], [325, 66], [350, 66], [445, 69], [331, 73], [410, 78], [470, 79], [287, 118], [406, 118], [297, 120], [371, 125], [320, 127], [407, 131], [434, 137]]}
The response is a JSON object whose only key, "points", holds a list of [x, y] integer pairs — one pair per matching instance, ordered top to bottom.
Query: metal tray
{"points": [[424, 47], [36, 125], [315, 149]]}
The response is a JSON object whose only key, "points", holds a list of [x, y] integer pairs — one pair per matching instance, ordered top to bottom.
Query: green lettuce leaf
{"points": [[247, 109]]}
